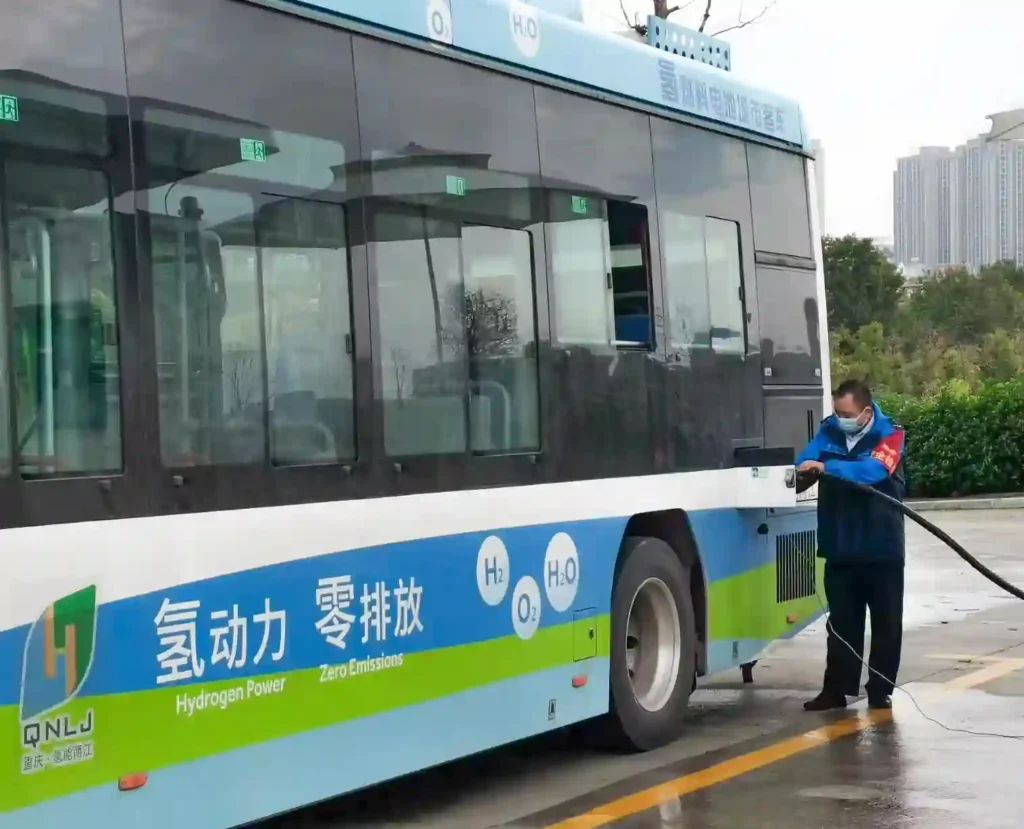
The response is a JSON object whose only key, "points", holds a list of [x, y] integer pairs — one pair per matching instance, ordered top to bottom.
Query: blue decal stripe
{"points": [[444, 570], [241, 786]]}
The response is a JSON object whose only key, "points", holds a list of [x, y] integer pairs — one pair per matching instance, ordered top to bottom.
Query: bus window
{"points": [[249, 257], [579, 266], [601, 270], [61, 272], [630, 273], [686, 281], [725, 286], [206, 299], [307, 314], [458, 336], [422, 339], [501, 339]]}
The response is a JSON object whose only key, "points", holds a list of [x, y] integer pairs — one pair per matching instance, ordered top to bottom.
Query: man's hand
{"points": [[812, 467]]}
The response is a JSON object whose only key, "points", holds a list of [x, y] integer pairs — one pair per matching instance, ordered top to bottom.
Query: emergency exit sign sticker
{"points": [[9, 108], [253, 149], [455, 186]]}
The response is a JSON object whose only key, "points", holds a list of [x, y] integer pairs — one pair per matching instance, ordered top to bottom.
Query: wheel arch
{"points": [[674, 528]]}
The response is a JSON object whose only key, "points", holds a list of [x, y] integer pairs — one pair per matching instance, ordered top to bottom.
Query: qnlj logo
{"points": [[58, 654]]}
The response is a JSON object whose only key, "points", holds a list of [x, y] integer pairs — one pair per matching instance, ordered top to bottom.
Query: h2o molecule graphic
{"points": [[525, 24], [561, 572], [560, 577]]}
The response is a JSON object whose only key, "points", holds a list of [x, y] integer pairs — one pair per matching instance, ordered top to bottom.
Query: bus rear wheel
{"points": [[654, 645]]}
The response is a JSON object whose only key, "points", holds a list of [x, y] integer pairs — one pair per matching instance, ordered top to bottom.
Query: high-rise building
{"points": [[923, 197], [960, 207]]}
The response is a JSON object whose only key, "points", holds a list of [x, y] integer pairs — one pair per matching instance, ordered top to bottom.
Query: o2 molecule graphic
{"points": [[439, 21], [561, 578], [526, 607]]}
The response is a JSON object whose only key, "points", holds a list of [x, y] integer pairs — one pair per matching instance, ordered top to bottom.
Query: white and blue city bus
{"points": [[381, 383]]}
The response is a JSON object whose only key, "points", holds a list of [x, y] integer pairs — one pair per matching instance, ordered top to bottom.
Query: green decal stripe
{"points": [[744, 606], [143, 731]]}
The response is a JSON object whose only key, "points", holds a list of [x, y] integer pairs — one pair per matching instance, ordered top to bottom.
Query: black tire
{"points": [[633, 727]]}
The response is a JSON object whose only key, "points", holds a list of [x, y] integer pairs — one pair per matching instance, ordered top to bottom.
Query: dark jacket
{"points": [[854, 526]]}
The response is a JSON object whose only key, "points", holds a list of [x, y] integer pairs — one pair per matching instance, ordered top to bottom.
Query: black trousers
{"points": [[851, 589]]}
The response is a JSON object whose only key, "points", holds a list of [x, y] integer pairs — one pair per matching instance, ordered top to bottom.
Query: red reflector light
{"points": [[579, 681], [131, 782]]}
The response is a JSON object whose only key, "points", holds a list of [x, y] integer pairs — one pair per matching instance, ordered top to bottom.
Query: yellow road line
{"points": [[996, 668], [736, 766], [726, 770]]}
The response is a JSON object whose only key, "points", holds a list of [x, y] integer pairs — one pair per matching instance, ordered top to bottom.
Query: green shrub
{"points": [[962, 441]]}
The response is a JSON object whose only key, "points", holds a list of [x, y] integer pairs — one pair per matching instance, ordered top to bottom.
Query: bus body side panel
{"points": [[763, 586], [303, 679], [235, 684]]}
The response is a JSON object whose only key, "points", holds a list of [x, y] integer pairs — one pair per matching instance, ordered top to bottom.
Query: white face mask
{"points": [[850, 425]]}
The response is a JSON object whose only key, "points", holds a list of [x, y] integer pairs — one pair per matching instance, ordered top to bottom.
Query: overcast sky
{"points": [[876, 80]]}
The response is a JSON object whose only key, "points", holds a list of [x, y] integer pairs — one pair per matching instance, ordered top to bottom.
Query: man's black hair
{"points": [[859, 389]]}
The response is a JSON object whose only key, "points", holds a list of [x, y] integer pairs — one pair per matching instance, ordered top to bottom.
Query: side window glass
{"points": [[778, 199], [600, 267], [579, 269], [630, 271], [686, 281], [725, 286], [251, 295], [206, 296], [308, 318], [458, 336], [501, 339], [423, 346], [65, 349]]}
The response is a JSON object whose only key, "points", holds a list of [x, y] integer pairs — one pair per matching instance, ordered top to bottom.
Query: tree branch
{"points": [[662, 10], [707, 15], [741, 23], [636, 25]]}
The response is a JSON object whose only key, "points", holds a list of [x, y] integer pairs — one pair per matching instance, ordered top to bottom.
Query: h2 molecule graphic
{"points": [[492, 570], [561, 578]]}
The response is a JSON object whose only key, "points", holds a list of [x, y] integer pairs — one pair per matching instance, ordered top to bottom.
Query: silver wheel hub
{"points": [[653, 644]]}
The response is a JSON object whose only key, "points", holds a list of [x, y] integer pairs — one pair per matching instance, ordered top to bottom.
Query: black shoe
{"points": [[826, 701], [880, 703]]}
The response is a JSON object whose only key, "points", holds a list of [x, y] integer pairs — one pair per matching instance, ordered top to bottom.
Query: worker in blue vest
{"points": [[861, 538]]}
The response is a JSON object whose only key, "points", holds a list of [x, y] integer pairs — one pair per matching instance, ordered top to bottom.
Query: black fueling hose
{"points": [[803, 481], [944, 537]]}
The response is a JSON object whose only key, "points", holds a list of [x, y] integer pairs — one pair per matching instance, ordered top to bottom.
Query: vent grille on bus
{"points": [[794, 565]]}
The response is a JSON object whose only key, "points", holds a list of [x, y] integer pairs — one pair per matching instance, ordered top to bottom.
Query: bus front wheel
{"points": [[654, 645]]}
